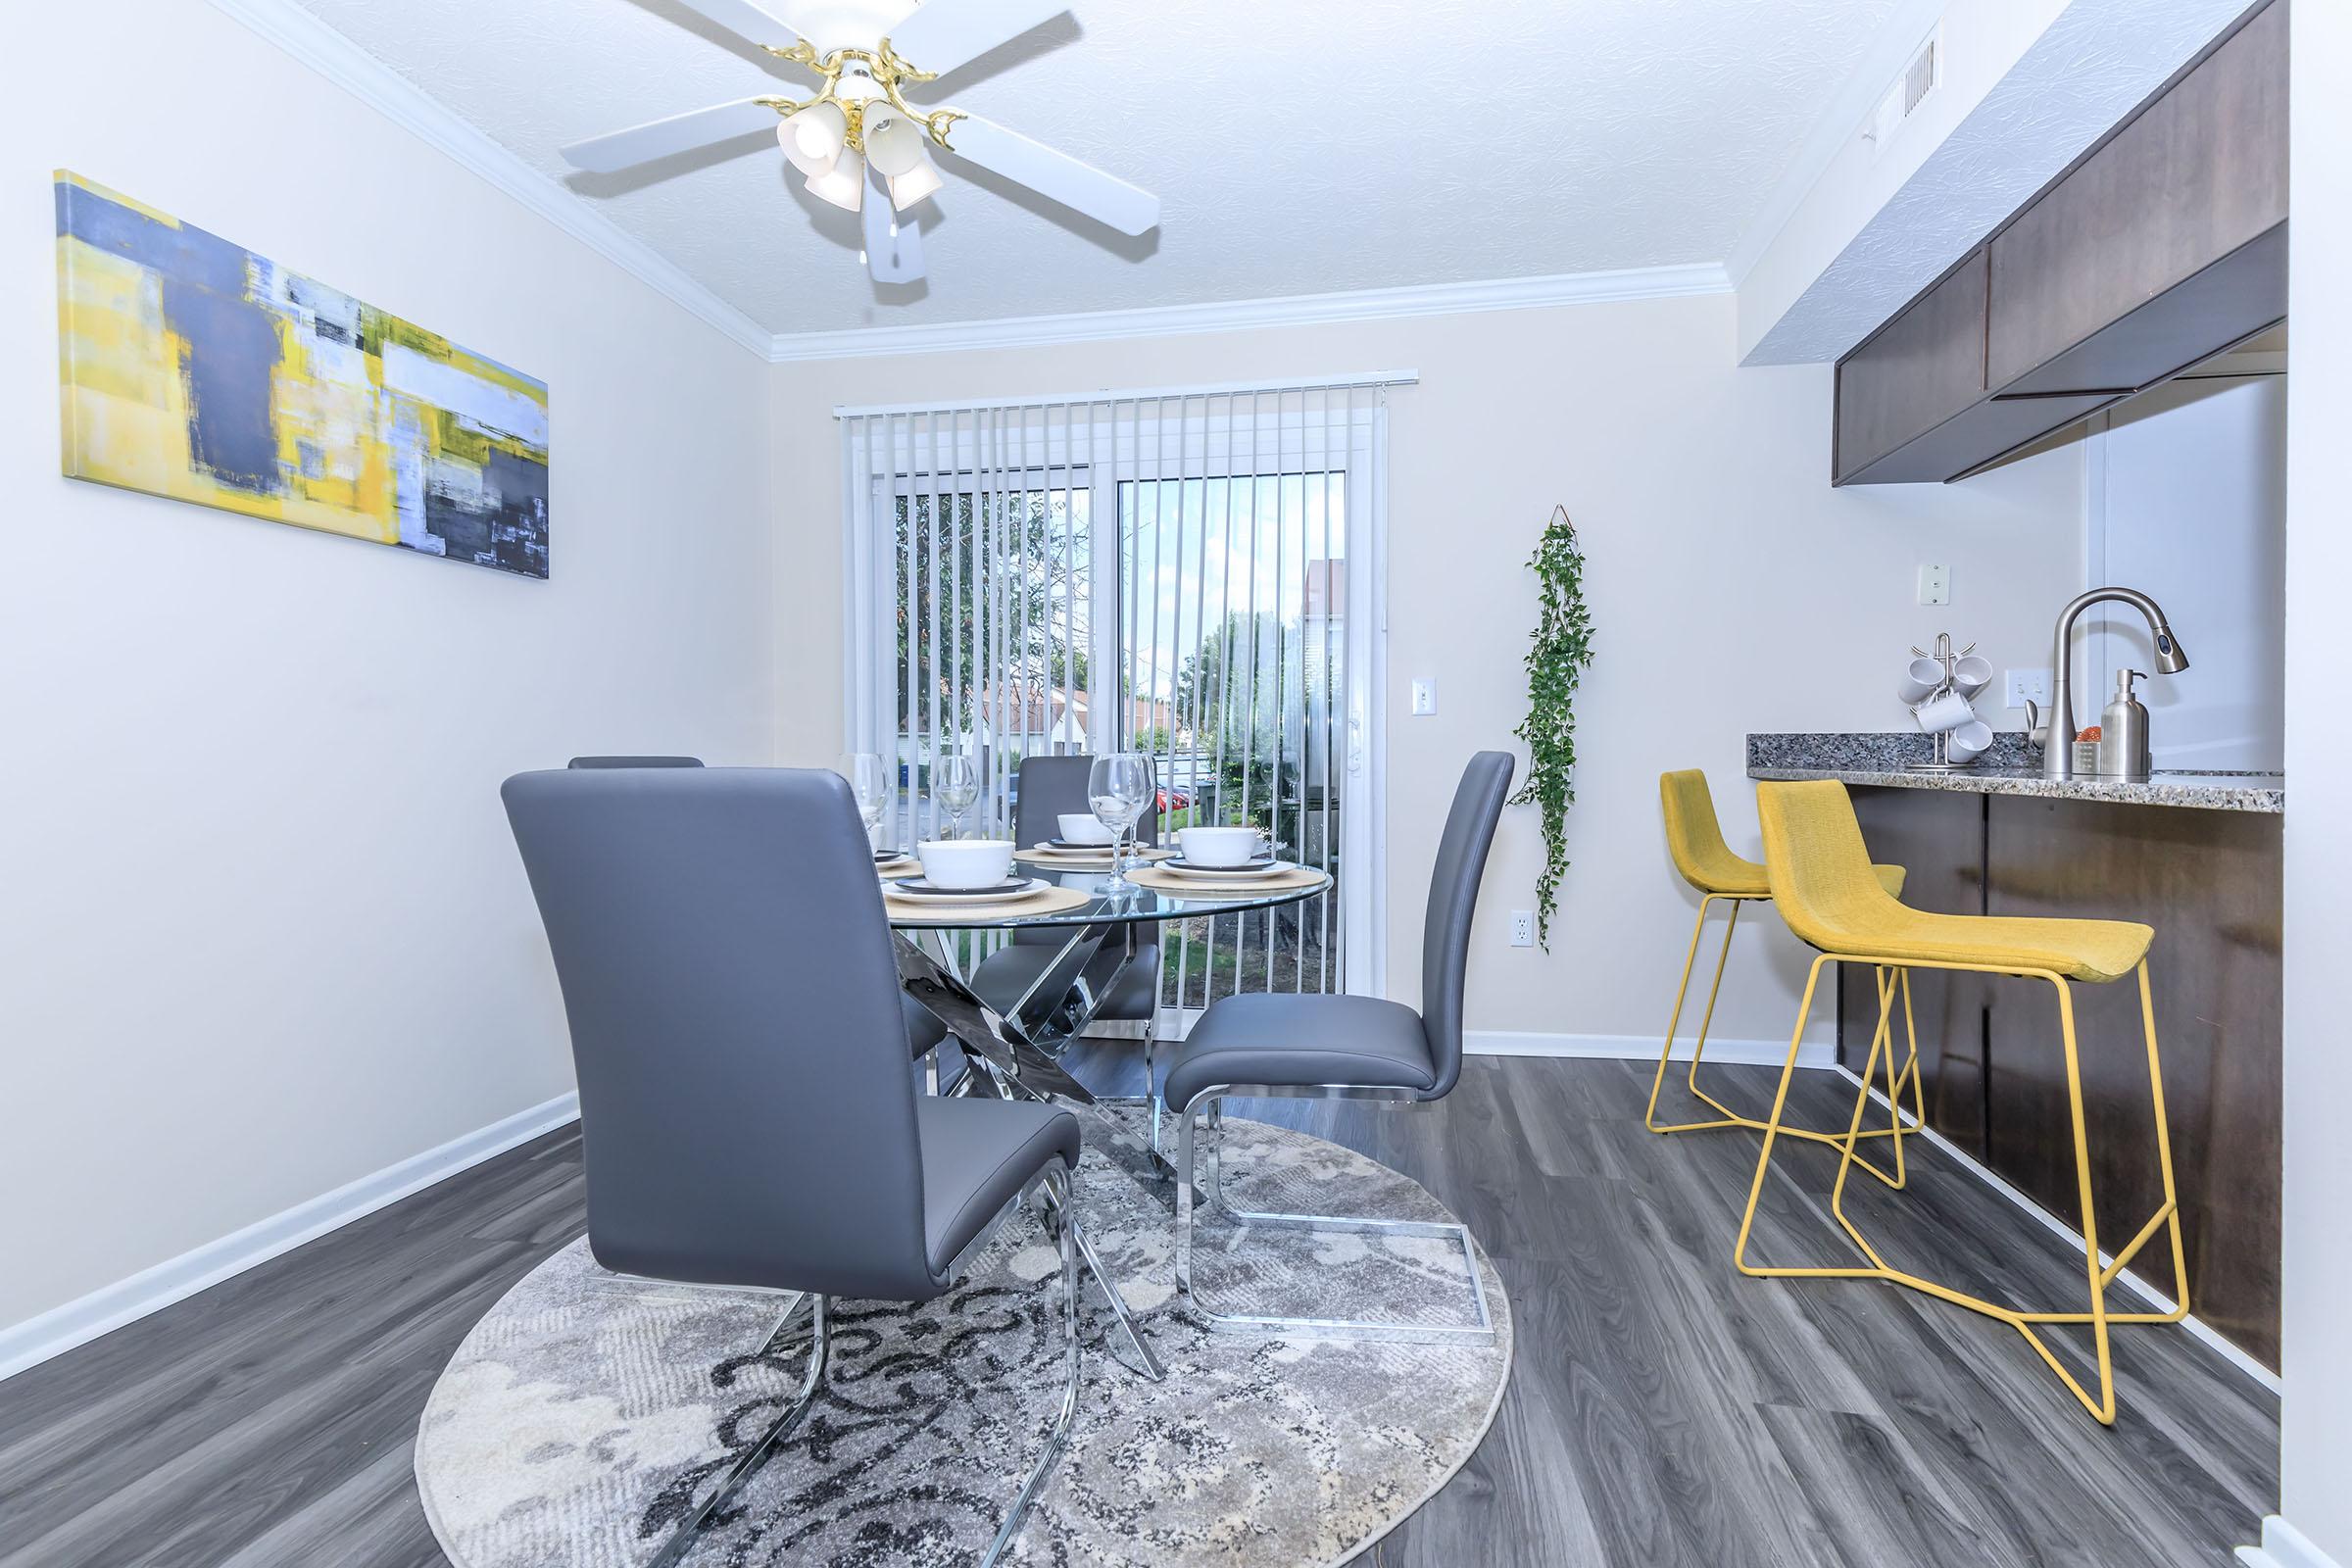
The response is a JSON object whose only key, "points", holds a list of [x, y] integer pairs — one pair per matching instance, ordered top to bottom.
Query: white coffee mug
{"points": [[1972, 674], [1919, 679], [1946, 713], [1969, 742], [1219, 846], [965, 862]]}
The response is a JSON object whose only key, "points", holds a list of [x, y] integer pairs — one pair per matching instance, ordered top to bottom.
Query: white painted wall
{"points": [[2187, 503], [1734, 590], [264, 928], [2317, 1355]]}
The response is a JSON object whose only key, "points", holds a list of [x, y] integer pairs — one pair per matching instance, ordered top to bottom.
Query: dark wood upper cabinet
{"points": [[2159, 248]]}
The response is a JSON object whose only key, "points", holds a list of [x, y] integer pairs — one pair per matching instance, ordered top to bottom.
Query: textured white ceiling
{"points": [[1300, 146]]}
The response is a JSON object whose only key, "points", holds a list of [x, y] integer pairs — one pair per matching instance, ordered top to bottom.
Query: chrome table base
{"points": [[1015, 1055]]}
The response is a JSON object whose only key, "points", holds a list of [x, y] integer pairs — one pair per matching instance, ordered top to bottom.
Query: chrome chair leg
{"points": [[1152, 1088], [1055, 1210], [1374, 1330], [1058, 1438], [681, 1540]]}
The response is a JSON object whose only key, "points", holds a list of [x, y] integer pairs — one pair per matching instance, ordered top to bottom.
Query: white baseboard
{"points": [[1643, 1047], [77, 1322], [2203, 1332], [2283, 1547]]}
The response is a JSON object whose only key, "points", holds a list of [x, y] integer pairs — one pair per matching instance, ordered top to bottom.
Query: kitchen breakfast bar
{"points": [[2196, 855]]}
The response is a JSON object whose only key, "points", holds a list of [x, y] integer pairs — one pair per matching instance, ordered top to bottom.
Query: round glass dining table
{"points": [[1019, 1041], [1013, 1046]]}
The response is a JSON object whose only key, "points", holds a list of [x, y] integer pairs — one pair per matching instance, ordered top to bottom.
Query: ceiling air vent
{"points": [[1918, 78]]}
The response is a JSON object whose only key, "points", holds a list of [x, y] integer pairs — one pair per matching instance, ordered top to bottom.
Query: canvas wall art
{"points": [[196, 370]]}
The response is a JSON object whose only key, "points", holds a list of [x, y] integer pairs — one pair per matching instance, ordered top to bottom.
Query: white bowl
{"points": [[1084, 828], [1219, 846], [965, 862]]}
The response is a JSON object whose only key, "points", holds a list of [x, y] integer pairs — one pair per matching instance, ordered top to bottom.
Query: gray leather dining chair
{"points": [[1052, 786], [924, 1032], [1345, 1048], [749, 1111]]}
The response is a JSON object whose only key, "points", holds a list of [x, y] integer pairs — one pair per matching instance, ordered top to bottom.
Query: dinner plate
{"points": [[1073, 844], [891, 857], [1255, 870], [1012, 887]]}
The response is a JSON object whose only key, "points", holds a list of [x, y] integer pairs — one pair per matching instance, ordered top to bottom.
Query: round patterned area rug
{"points": [[586, 1414]]}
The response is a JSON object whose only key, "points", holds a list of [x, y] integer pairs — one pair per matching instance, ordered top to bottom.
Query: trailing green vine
{"points": [[1558, 656]]}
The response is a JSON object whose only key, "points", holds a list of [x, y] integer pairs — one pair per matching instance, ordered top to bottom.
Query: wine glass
{"points": [[954, 785], [871, 786], [1118, 787]]}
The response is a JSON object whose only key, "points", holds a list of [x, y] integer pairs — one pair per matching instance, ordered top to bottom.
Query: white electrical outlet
{"points": [[1934, 584], [2024, 686], [1424, 696], [1523, 928]]}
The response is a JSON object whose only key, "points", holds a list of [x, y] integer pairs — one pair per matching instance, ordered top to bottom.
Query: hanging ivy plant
{"points": [[1558, 656]]}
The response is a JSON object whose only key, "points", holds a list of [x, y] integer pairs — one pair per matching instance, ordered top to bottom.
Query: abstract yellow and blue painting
{"points": [[196, 370]]}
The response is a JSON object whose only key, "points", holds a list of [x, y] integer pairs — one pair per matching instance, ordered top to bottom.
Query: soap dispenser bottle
{"points": [[2124, 732]]}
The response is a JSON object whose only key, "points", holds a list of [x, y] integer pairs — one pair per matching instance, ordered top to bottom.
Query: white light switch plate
{"points": [[1934, 584], [2026, 685], [1424, 696]]}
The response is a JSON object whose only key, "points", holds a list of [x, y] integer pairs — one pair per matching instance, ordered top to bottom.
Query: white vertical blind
{"points": [[1170, 571]]}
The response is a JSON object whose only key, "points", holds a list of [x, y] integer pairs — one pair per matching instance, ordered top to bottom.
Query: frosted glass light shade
{"points": [[811, 138], [893, 143], [844, 185], [914, 185]]}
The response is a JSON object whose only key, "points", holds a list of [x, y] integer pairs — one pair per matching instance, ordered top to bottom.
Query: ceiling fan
{"points": [[858, 142]]}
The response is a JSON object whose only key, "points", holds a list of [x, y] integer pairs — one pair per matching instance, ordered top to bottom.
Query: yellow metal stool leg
{"points": [[1674, 1021], [1728, 1117], [2098, 1276]]}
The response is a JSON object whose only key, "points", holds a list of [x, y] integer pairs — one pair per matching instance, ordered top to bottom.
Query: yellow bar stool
{"points": [[1694, 838], [1821, 879]]}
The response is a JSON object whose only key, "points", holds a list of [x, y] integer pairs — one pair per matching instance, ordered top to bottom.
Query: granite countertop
{"points": [[1879, 760]]}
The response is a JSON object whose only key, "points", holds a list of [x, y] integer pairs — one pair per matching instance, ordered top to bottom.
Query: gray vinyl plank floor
{"points": [[1663, 1410]]}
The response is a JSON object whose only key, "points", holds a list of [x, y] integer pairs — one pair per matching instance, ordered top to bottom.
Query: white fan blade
{"points": [[759, 24], [943, 34], [680, 133], [1057, 177], [890, 258]]}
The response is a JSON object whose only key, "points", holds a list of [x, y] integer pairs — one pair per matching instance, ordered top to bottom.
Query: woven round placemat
{"points": [[1164, 880], [905, 908]]}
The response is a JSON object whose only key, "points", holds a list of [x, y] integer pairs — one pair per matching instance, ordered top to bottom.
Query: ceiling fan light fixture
{"points": [[812, 137], [893, 141], [842, 184], [914, 185]]}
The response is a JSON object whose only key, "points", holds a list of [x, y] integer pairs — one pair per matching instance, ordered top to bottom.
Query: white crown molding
{"points": [[392, 95], [1241, 315], [151, 1289], [2283, 1547]]}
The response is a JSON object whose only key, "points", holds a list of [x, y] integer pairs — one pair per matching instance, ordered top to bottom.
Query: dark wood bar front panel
{"points": [[2209, 883]]}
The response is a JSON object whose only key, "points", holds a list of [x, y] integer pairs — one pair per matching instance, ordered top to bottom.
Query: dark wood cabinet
{"points": [[2187, 185], [2159, 248], [1992, 1066]]}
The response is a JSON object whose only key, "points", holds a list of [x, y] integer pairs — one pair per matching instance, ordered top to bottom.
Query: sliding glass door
{"points": [[1196, 577]]}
